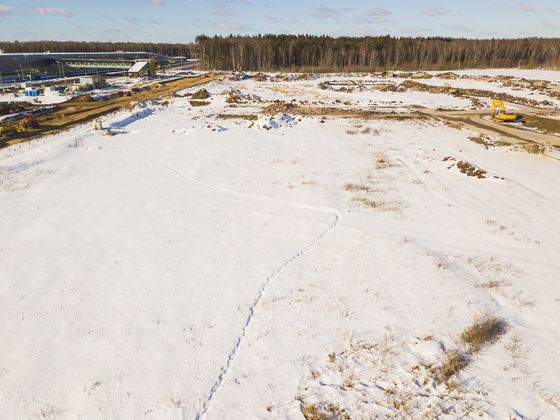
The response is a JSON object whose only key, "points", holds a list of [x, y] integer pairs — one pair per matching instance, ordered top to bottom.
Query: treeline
{"points": [[71, 46], [324, 53]]}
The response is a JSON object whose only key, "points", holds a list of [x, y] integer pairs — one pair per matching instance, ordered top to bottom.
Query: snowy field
{"points": [[265, 267]]}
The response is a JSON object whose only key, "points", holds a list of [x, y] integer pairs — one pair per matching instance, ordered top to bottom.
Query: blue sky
{"points": [[182, 20]]}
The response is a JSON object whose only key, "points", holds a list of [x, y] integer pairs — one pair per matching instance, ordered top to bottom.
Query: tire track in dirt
{"points": [[262, 289]]}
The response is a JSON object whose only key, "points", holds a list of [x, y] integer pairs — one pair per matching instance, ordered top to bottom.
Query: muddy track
{"points": [[83, 109], [481, 122]]}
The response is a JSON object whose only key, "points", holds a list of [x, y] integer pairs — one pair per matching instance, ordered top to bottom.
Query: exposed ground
{"points": [[84, 109], [286, 249]]}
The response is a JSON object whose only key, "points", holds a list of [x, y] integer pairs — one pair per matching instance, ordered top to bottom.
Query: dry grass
{"points": [[487, 142], [534, 148], [384, 164], [471, 170], [357, 188], [367, 202], [492, 284], [482, 333], [454, 362], [328, 411]]}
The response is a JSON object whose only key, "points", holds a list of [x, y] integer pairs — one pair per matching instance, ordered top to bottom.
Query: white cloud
{"points": [[5, 9], [530, 9], [44, 11], [437, 11]]}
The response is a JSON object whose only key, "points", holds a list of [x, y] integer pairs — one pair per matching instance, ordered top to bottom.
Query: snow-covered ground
{"points": [[42, 99], [194, 265]]}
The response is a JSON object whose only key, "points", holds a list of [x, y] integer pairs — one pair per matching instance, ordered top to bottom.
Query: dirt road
{"points": [[84, 109], [481, 122]]}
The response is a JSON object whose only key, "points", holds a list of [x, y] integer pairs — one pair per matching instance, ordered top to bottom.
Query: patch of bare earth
{"points": [[542, 124], [487, 141]]}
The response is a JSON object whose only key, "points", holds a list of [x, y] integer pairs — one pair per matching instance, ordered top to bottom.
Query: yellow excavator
{"points": [[500, 113], [11, 128]]}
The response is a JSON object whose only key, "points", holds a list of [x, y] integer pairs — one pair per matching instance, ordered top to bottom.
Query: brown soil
{"points": [[448, 75], [200, 95], [199, 103], [14, 107], [280, 107], [83, 109], [248, 117], [542, 124]]}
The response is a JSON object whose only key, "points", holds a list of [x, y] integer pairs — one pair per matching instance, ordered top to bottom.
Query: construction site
{"points": [[36, 108], [197, 244]]}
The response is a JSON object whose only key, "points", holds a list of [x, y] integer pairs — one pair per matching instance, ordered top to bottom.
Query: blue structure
{"points": [[31, 92]]}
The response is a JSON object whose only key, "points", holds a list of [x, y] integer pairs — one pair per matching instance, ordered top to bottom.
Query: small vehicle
{"points": [[500, 113], [29, 121]]}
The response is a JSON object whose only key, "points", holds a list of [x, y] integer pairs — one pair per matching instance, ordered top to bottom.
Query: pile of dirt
{"points": [[421, 75], [447, 75], [306, 76], [237, 77], [260, 77], [281, 77], [540, 84], [390, 87], [345, 89], [200, 95], [235, 96], [83, 98], [199, 103], [280, 107], [7, 108], [247, 117]]}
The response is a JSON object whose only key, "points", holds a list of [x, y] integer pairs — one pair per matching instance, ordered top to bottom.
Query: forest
{"points": [[72, 46], [325, 53]]}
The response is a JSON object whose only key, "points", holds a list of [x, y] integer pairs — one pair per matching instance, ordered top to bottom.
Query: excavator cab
{"points": [[500, 113]]}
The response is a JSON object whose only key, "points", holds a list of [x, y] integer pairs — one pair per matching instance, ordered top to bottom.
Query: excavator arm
{"points": [[498, 104], [499, 112]]}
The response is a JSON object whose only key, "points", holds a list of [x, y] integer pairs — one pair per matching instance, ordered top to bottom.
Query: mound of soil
{"points": [[421, 75], [447, 75], [260, 77], [200, 95], [199, 103], [13, 107], [280, 107]]}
